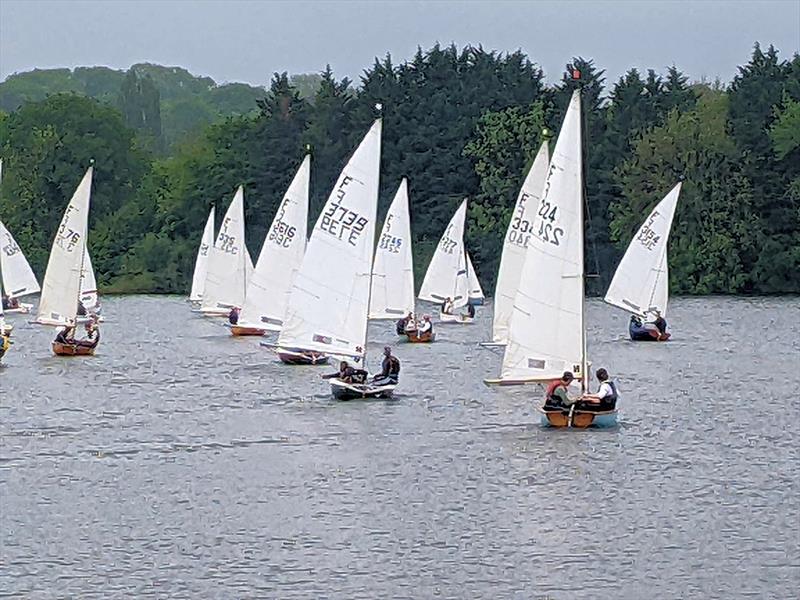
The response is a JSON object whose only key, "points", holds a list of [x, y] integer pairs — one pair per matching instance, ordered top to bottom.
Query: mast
{"points": [[576, 76]]}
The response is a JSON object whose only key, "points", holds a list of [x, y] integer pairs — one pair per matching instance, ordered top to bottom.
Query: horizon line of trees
{"points": [[458, 123]]}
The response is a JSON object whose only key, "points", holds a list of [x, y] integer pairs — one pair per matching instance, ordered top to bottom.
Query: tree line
{"points": [[458, 123]]}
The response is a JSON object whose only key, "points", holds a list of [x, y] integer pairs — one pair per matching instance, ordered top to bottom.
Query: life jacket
{"points": [[394, 365], [551, 388], [611, 399]]}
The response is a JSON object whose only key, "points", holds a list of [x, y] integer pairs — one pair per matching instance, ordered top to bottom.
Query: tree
{"points": [[140, 104]]}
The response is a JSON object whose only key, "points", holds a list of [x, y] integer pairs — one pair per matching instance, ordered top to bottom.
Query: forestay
{"points": [[515, 244], [280, 258], [228, 261], [201, 263], [393, 270], [447, 274], [18, 277], [62, 280], [641, 282], [474, 290], [329, 301], [546, 336]]}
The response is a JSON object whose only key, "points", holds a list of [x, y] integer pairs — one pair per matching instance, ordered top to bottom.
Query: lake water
{"points": [[181, 463]]}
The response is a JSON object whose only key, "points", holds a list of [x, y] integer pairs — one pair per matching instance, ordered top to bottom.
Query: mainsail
{"points": [[515, 244], [280, 257], [201, 263], [393, 270], [447, 274], [226, 276], [18, 277], [62, 280], [641, 282], [475, 292], [88, 296], [329, 302], [547, 334]]}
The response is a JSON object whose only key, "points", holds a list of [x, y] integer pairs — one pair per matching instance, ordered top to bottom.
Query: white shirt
{"points": [[426, 325], [605, 390]]}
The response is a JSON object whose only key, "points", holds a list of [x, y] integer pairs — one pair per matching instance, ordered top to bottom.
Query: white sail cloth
{"points": [[516, 243], [280, 257], [228, 262], [201, 263], [393, 270], [447, 273], [18, 277], [62, 280], [641, 282], [474, 290], [88, 296], [329, 301], [546, 336]]}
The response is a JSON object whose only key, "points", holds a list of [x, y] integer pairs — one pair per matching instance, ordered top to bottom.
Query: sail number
{"points": [[341, 222], [548, 232], [282, 234], [519, 235], [647, 236], [227, 243], [390, 243], [10, 248], [203, 249]]}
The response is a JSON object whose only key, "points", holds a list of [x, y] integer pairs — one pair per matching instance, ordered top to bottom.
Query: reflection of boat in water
{"points": [[646, 332]]}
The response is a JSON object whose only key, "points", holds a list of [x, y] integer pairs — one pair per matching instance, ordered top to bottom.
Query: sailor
{"points": [[447, 306], [233, 316], [660, 322], [411, 324], [400, 326], [426, 326], [66, 335], [390, 369], [344, 373], [556, 395], [606, 396]]}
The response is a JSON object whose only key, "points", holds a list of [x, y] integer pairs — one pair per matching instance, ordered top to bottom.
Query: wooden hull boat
{"points": [[450, 318], [242, 330], [646, 333], [423, 338], [75, 349], [298, 357], [358, 391], [578, 419]]}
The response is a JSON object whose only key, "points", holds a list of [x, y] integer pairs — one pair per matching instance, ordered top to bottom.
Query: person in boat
{"points": [[10, 303], [447, 306], [81, 309], [233, 316], [660, 323], [411, 324], [425, 326], [66, 335], [5, 342], [390, 369], [347, 374], [556, 395], [606, 396]]}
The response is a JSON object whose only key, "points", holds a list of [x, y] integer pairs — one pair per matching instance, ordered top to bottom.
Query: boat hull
{"points": [[22, 309], [460, 319], [241, 330], [646, 334], [423, 338], [60, 349], [301, 357], [360, 391], [579, 419]]}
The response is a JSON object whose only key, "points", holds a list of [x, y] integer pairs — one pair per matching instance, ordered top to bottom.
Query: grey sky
{"points": [[248, 40]]}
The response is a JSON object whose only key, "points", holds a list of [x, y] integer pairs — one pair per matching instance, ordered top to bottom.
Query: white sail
{"points": [[515, 244], [280, 257], [201, 263], [393, 270], [447, 274], [226, 276], [18, 277], [62, 280], [641, 282], [474, 290], [88, 296], [329, 302], [547, 336]]}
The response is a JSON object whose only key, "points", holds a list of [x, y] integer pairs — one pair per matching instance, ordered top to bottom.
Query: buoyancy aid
{"points": [[549, 395]]}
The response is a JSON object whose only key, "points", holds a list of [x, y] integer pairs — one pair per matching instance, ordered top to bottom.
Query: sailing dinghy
{"points": [[518, 234], [280, 258], [201, 262], [229, 264], [447, 276], [18, 277], [641, 282], [61, 289], [330, 299], [547, 331]]}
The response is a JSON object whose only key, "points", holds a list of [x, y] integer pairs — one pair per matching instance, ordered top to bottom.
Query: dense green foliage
{"points": [[457, 123]]}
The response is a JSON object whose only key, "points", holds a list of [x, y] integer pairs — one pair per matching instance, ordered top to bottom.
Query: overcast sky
{"points": [[249, 40]]}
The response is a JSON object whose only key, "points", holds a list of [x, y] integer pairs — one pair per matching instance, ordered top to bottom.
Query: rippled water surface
{"points": [[181, 463]]}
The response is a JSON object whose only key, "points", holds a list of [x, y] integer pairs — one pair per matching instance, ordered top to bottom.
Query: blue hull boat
{"points": [[643, 333]]}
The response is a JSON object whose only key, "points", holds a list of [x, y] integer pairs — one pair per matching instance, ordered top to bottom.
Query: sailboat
{"points": [[515, 244], [280, 258], [201, 262], [229, 263], [393, 270], [447, 275], [18, 277], [641, 283], [61, 289], [474, 291], [89, 298], [330, 299], [547, 332]]}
